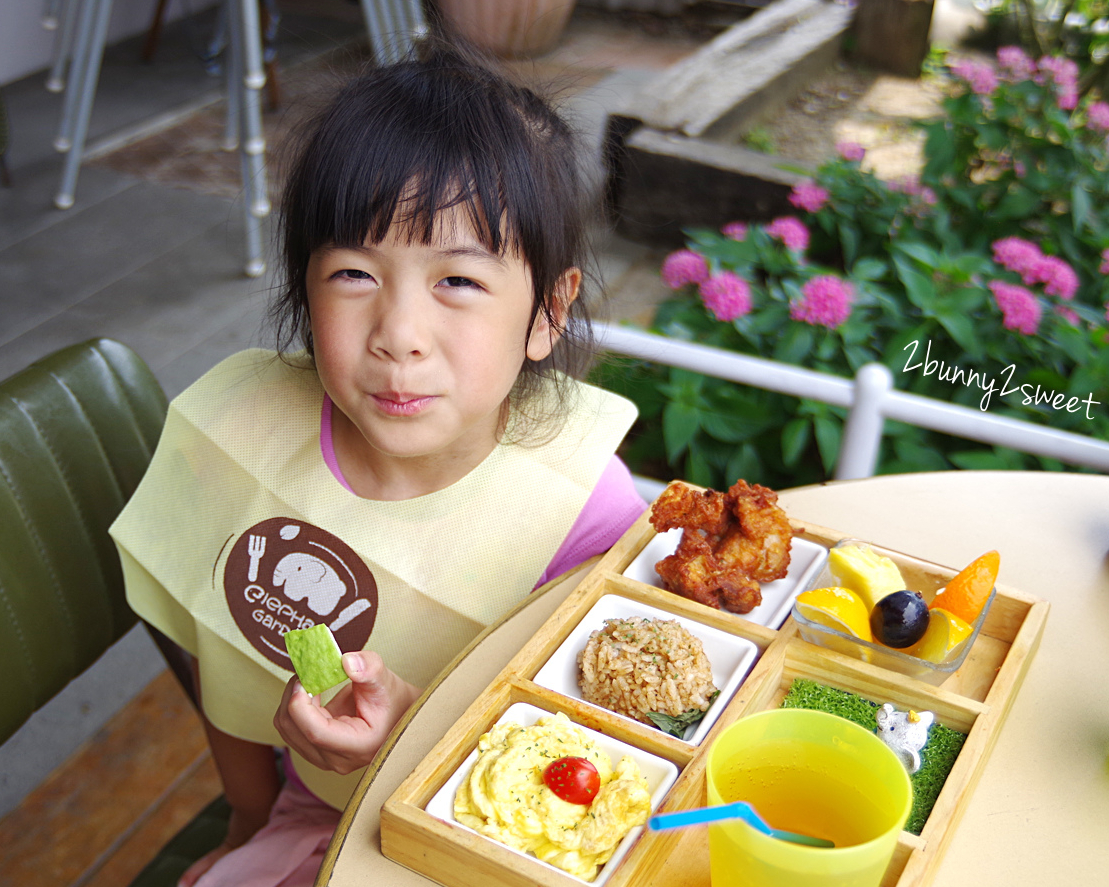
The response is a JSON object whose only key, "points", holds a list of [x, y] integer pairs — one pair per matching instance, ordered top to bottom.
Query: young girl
{"points": [[414, 472]]}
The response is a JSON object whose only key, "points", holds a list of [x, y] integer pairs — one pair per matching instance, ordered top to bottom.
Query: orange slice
{"points": [[966, 594], [837, 608], [943, 639]]}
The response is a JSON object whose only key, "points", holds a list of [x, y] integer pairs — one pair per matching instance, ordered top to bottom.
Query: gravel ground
{"points": [[848, 104]]}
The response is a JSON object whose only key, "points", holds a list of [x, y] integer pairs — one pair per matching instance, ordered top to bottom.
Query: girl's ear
{"points": [[545, 332]]}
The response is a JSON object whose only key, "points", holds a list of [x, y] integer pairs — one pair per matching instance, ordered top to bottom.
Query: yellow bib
{"points": [[239, 532]]}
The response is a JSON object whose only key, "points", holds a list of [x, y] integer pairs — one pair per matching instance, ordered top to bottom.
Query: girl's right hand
{"points": [[345, 734]]}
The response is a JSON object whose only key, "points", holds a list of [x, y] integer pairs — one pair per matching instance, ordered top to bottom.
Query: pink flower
{"points": [[1016, 63], [1063, 71], [1064, 74], [980, 76], [1068, 98], [1098, 116], [852, 152], [905, 185], [911, 185], [922, 195], [808, 196], [735, 230], [791, 232], [1017, 255], [684, 267], [1104, 269], [1057, 276], [726, 295], [827, 302], [1020, 310], [1068, 314]]}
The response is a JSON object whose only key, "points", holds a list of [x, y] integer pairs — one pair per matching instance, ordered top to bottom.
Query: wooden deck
{"points": [[104, 814]]}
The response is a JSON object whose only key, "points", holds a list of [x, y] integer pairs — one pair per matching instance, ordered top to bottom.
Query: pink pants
{"points": [[287, 852]]}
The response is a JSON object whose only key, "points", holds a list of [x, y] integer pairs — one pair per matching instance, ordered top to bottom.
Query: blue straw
{"points": [[738, 810]]}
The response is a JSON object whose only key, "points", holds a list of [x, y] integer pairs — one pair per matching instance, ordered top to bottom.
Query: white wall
{"points": [[26, 47]]}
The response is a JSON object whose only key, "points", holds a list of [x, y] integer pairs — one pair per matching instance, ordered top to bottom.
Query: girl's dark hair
{"points": [[399, 144]]}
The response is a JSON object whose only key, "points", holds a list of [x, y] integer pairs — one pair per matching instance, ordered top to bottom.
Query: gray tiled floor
{"points": [[159, 269]]}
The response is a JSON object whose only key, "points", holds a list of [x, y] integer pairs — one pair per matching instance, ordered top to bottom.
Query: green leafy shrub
{"points": [[1078, 29], [981, 283]]}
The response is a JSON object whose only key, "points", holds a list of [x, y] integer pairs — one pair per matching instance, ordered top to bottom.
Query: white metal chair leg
{"points": [[50, 14], [86, 16], [416, 20], [413, 23], [375, 24], [410, 24], [393, 25], [392, 33], [247, 39], [63, 44], [232, 74], [79, 98]]}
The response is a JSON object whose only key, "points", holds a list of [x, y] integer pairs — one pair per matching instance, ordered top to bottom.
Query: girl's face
{"points": [[418, 347]]}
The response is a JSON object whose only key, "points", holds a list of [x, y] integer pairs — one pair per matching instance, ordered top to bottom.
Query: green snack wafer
{"points": [[316, 657]]}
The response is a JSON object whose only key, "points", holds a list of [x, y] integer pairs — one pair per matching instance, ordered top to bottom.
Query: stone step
{"points": [[755, 65]]}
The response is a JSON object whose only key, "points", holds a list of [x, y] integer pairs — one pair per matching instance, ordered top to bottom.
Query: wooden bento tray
{"points": [[974, 700]]}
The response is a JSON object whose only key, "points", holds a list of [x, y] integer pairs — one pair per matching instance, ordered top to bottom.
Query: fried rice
{"points": [[635, 665]]}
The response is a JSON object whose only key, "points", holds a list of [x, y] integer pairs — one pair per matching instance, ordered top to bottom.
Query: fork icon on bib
{"points": [[256, 547]]}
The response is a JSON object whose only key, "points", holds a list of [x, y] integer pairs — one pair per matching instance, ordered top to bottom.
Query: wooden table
{"points": [[1040, 814]]}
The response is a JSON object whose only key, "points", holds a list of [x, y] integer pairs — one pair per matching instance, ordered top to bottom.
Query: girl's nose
{"points": [[399, 331]]}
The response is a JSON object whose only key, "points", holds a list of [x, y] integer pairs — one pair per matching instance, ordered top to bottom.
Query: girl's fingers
{"points": [[297, 710], [345, 734], [330, 741]]}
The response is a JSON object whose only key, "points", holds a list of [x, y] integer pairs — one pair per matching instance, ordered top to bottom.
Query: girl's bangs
{"points": [[371, 200]]}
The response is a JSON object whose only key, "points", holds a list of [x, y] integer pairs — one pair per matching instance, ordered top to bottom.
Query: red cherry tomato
{"points": [[575, 780]]}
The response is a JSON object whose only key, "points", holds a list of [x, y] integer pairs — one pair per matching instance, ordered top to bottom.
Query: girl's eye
{"points": [[353, 274], [457, 282]]}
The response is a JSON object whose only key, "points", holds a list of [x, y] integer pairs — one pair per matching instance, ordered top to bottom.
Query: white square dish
{"points": [[806, 560], [731, 657], [659, 773]]}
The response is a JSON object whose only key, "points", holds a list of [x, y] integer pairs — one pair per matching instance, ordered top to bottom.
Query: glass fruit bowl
{"points": [[918, 577]]}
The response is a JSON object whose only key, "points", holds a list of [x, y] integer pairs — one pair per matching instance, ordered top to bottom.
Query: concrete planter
{"points": [[509, 28]]}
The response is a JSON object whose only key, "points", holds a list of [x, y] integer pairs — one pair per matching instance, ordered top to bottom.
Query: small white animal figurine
{"points": [[906, 732]]}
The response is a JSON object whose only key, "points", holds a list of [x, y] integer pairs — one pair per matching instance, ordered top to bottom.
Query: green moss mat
{"points": [[936, 760]]}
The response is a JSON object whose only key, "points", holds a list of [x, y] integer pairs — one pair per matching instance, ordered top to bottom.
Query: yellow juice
{"points": [[808, 802]]}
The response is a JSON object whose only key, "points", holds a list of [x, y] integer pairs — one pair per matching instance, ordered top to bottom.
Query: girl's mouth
{"points": [[394, 403]]}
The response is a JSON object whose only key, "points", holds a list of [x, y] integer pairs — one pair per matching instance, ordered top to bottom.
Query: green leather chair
{"points": [[77, 430]]}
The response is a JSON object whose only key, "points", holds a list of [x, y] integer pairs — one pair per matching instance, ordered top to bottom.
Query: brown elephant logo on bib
{"points": [[283, 574]]}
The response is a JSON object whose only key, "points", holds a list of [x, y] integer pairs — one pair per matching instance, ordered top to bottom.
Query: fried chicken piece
{"points": [[730, 543]]}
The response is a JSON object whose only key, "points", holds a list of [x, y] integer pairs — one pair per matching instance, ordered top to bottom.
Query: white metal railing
{"points": [[870, 399]]}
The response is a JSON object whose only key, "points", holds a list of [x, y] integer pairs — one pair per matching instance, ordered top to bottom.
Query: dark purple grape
{"points": [[899, 619]]}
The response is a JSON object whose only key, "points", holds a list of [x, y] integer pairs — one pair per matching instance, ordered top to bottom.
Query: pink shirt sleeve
{"points": [[612, 507]]}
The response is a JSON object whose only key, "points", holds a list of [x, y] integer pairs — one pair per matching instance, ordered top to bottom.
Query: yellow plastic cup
{"points": [[813, 773]]}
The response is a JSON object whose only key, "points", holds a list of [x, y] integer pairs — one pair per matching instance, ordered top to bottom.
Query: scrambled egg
{"points": [[504, 796]]}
